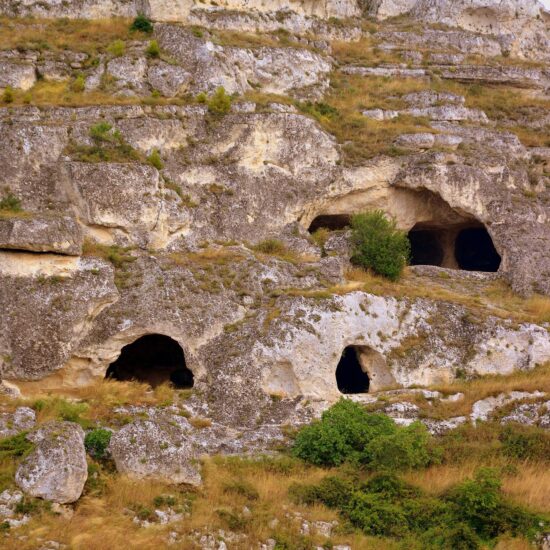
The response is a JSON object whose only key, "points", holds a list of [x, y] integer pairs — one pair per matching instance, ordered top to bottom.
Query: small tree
{"points": [[142, 24], [379, 245]]}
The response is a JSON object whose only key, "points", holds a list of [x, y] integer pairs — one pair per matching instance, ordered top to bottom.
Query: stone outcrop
{"points": [[162, 215], [156, 449], [56, 469]]}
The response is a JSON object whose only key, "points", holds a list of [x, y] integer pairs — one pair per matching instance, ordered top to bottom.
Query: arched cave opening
{"points": [[332, 222], [456, 246], [426, 247], [475, 251], [152, 359], [350, 376]]}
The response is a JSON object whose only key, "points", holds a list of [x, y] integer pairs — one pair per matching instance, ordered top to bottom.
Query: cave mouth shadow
{"points": [[332, 222], [464, 247], [152, 359], [350, 376]]}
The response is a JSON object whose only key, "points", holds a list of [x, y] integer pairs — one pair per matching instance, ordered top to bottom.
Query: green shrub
{"points": [[142, 24], [117, 48], [153, 50], [78, 84], [8, 96], [220, 102], [102, 132], [155, 160], [10, 203], [379, 245], [71, 411], [342, 434], [97, 441], [525, 443], [16, 446], [403, 449], [390, 486], [332, 491], [375, 516]]}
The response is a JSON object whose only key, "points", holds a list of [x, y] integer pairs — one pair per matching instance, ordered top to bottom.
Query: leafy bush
{"points": [[142, 24], [153, 50], [220, 102], [102, 132], [10, 203], [379, 245], [346, 432], [97, 441], [525, 443], [406, 448], [332, 491], [473, 513], [374, 515]]}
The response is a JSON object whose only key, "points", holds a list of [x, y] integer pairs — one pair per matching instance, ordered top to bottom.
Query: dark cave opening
{"points": [[333, 222], [456, 246], [426, 248], [475, 251], [152, 359], [350, 377]]}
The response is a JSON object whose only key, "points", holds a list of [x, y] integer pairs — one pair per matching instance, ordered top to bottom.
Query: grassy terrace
{"points": [[263, 485]]}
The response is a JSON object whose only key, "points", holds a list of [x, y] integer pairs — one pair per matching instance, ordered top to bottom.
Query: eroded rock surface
{"points": [[56, 469]]}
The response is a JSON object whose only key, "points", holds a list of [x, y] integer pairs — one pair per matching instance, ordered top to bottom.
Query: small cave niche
{"points": [[332, 222], [456, 246], [426, 247], [475, 251], [152, 359], [350, 376]]}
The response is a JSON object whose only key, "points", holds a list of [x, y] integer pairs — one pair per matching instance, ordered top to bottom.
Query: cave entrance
{"points": [[332, 222], [468, 247], [475, 251], [152, 359], [350, 376]]}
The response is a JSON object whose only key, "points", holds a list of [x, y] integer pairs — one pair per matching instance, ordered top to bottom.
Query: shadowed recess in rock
{"points": [[330, 221], [457, 246], [475, 251], [153, 359], [349, 373]]}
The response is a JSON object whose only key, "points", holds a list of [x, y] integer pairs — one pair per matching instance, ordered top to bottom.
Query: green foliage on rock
{"points": [[142, 24], [153, 49], [220, 102], [154, 159], [10, 203], [379, 245], [347, 433], [97, 441], [470, 516]]}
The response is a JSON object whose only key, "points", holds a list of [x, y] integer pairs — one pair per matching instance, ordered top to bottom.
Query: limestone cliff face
{"points": [[152, 217]]}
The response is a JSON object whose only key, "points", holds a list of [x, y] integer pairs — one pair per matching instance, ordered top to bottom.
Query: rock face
{"points": [[156, 212], [156, 449], [56, 469]]}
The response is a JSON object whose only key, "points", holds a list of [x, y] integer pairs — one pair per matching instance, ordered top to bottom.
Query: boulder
{"points": [[17, 75], [23, 418], [155, 449], [56, 469]]}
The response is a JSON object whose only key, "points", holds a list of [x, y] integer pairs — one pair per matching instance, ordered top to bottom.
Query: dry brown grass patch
{"points": [[89, 36]]}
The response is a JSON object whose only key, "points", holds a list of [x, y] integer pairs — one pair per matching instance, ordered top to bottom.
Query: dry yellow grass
{"points": [[89, 36], [495, 298]]}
